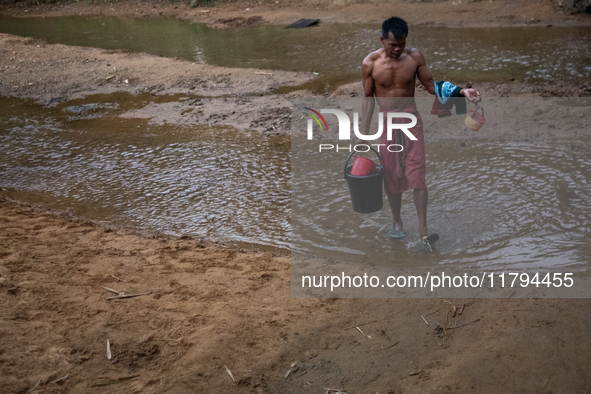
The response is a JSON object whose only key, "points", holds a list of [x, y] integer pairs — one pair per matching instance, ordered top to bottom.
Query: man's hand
{"points": [[472, 95]]}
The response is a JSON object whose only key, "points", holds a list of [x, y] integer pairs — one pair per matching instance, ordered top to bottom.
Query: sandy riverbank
{"points": [[52, 74], [206, 307]]}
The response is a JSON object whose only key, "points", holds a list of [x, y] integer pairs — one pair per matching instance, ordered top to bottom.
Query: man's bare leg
{"points": [[420, 197], [395, 201]]}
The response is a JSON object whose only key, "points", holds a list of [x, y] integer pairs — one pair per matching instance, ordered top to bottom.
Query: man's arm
{"points": [[423, 72], [427, 79], [368, 103]]}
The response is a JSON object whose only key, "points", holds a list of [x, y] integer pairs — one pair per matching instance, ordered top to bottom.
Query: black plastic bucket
{"points": [[366, 191]]}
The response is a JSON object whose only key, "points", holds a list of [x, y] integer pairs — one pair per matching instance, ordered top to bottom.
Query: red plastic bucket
{"points": [[363, 166], [365, 190]]}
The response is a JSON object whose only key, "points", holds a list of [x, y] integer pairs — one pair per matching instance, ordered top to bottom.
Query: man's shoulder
{"points": [[414, 53], [373, 57]]}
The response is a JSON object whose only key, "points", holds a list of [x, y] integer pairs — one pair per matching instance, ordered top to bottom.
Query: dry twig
{"points": [[127, 296], [362, 333], [392, 345], [109, 355], [230, 373], [60, 379], [107, 382], [34, 387]]}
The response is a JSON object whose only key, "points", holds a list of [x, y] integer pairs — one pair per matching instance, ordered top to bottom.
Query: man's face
{"points": [[393, 46]]}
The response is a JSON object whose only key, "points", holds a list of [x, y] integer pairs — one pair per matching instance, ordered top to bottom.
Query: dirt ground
{"points": [[205, 309], [212, 318]]}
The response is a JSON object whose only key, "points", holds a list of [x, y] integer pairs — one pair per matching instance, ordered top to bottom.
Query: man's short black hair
{"points": [[395, 25]]}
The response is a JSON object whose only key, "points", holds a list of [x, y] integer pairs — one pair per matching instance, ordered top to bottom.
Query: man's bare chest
{"points": [[395, 75]]}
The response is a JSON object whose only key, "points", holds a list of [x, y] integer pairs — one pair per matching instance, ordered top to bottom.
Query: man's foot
{"points": [[395, 233], [429, 239]]}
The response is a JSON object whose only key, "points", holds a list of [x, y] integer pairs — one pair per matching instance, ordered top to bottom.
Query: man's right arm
{"points": [[368, 103]]}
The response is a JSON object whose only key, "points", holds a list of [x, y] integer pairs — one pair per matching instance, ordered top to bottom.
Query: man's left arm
{"points": [[423, 72], [427, 79]]}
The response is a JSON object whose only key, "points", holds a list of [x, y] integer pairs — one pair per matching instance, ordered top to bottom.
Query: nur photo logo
{"points": [[393, 121]]}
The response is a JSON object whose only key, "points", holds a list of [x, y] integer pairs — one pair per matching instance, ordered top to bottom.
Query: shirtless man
{"points": [[390, 73]]}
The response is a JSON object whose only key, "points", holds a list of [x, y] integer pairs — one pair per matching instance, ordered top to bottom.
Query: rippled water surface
{"points": [[214, 182], [496, 203], [509, 206]]}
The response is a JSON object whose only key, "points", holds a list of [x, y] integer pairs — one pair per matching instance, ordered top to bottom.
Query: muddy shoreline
{"points": [[53, 74]]}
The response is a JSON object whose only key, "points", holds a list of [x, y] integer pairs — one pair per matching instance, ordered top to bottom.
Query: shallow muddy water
{"points": [[335, 51], [212, 182], [510, 197], [514, 203], [510, 206]]}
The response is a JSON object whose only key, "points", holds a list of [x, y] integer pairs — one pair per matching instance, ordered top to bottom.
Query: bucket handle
{"points": [[351, 155]]}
